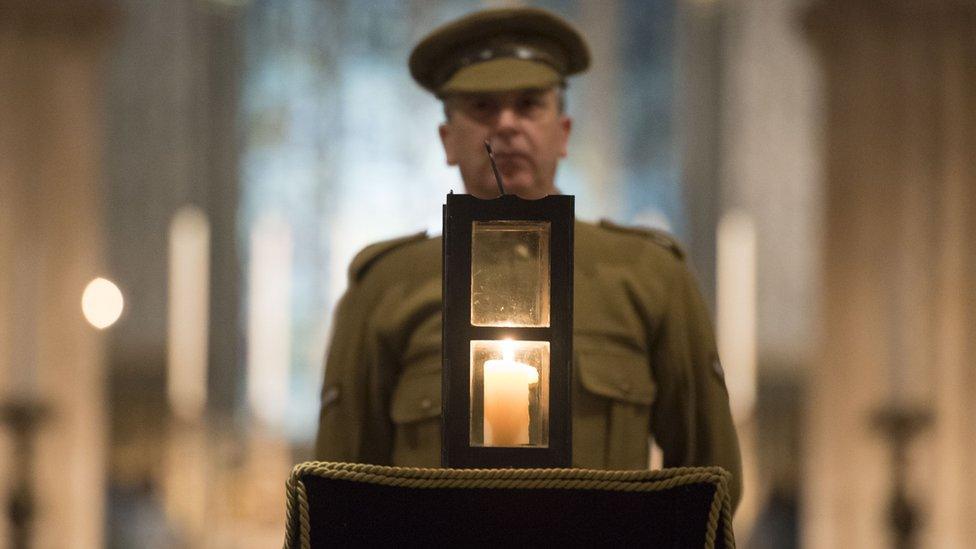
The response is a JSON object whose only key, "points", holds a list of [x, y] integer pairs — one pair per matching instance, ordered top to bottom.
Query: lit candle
{"points": [[507, 399]]}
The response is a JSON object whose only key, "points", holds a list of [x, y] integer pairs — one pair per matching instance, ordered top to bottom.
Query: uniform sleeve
{"points": [[691, 419], [354, 424]]}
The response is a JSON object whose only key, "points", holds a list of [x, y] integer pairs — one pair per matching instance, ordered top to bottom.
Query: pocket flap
{"points": [[617, 375], [417, 395]]}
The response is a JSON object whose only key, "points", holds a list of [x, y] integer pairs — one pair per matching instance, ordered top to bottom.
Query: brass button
{"points": [[717, 367], [330, 396]]}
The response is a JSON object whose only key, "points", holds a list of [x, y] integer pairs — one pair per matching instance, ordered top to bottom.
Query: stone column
{"points": [[600, 93], [699, 128], [769, 171], [50, 248], [898, 322], [952, 456]]}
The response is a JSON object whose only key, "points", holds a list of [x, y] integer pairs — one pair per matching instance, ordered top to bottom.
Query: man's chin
{"points": [[524, 188]]}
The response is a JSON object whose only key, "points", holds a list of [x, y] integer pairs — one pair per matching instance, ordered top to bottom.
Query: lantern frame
{"points": [[460, 213]]}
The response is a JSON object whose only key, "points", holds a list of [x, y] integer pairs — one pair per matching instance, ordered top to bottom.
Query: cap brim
{"points": [[500, 75]]}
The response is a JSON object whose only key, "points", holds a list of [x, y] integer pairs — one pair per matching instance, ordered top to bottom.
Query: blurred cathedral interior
{"points": [[183, 184]]}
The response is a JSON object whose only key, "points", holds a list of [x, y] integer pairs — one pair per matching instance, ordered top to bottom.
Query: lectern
{"points": [[343, 504]]}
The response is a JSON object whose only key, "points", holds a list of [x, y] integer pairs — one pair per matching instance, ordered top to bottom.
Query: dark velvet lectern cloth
{"points": [[343, 504]]}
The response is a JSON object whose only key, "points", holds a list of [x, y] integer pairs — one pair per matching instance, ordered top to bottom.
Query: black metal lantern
{"points": [[507, 340]]}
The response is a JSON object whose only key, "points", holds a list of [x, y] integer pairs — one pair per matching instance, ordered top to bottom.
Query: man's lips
{"points": [[509, 154], [512, 158]]}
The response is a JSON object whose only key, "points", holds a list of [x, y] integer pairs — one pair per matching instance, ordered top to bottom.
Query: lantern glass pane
{"points": [[510, 273], [509, 393]]}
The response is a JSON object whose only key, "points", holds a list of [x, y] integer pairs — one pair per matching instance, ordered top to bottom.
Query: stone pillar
{"points": [[699, 64], [600, 92], [172, 139], [769, 171], [51, 246], [899, 323], [952, 457]]}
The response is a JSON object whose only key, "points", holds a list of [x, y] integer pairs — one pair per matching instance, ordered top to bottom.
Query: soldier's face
{"points": [[528, 133]]}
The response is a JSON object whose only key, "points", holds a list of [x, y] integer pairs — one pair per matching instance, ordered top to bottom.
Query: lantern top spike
{"points": [[494, 168]]}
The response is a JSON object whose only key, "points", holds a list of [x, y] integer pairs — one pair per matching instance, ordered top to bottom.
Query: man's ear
{"points": [[566, 127], [445, 132]]}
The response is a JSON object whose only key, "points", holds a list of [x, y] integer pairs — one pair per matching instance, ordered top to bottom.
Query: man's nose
{"points": [[507, 121]]}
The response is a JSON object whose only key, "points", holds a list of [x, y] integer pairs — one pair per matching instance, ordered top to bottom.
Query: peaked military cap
{"points": [[499, 50]]}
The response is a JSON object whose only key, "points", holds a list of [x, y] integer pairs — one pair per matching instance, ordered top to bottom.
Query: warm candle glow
{"points": [[189, 301], [101, 303], [736, 310], [269, 343], [508, 350], [508, 355], [507, 384]]}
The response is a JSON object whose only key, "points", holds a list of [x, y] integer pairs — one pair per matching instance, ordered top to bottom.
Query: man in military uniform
{"points": [[645, 360]]}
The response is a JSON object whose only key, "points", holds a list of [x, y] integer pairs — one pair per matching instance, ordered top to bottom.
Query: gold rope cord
{"points": [[297, 532]]}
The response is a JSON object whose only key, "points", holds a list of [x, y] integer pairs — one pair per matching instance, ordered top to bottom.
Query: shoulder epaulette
{"points": [[659, 237], [368, 256]]}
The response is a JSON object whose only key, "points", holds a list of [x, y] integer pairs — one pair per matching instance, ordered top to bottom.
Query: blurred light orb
{"points": [[101, 303]]}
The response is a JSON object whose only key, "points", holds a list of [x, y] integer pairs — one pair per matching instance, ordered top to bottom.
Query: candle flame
{"points": [[508, 350], [508, 355]]}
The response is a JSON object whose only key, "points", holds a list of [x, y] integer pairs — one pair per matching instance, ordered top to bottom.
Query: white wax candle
{"points": [[506, 419]]}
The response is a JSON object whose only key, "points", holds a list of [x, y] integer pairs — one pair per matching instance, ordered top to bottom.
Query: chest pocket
{"points": [[612, 410], [416, 414]]}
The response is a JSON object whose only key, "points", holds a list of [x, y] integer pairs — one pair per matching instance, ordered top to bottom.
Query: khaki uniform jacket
{"points": [[645, 360]]}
